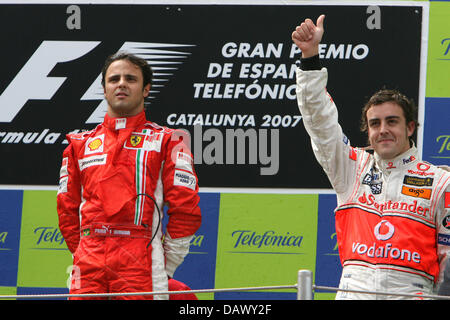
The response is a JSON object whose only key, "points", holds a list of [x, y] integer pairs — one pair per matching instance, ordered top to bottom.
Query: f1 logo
{"points": [[32, 82]]}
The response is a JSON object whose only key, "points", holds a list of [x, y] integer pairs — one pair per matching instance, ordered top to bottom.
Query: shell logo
{"points": [[95, 144]]}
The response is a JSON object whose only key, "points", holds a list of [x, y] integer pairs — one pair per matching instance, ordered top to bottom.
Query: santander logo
{"points": [[397, 206]]}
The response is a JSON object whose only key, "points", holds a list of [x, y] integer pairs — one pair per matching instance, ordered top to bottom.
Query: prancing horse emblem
{"points": [[135, 140]]}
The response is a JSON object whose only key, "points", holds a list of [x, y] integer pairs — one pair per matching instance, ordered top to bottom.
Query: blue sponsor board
{"points": [[436, 137], [10, 221], [328, 265], [199, 266], [41, 291], [256, 295]]}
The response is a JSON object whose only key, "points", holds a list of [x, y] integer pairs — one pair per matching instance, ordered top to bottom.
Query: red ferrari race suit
{"points": [[114, 181], [392, 217], [175, 285]]}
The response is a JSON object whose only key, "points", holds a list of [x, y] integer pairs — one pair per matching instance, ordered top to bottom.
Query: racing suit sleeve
{"points": [[331, 147], [181, 196], [68, 199], [443, 242]]}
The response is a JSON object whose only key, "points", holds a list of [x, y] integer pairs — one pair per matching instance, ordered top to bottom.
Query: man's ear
{"points": [[146, 90], [410, 127]]}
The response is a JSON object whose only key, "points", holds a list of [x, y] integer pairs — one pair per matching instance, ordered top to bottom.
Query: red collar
{"points": [[126, 122]]}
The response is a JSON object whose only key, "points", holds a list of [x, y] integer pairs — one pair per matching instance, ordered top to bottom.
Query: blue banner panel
{"points": [[436, 137], [10, 220], [328, 265], [199, 266], [39, 291], [249, 295]]}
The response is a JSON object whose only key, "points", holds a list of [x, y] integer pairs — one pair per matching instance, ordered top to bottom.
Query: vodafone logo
{"points": [[423, 166], [384, 230]]}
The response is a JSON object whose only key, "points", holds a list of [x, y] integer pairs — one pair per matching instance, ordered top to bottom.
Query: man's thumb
{"points": [[320, 20]]}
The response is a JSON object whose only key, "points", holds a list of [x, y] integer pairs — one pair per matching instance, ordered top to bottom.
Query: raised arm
{"points": [[320, 116]]}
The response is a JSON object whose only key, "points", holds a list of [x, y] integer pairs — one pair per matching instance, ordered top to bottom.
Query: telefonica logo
{"points": [[445, 43], [3, 236], [48, 236], [252, 239], [197, 240]]}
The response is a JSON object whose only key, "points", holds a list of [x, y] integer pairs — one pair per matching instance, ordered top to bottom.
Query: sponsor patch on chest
{"points": [[136, 140], [145, 141], [94, 145], [92, 161], [373, 179], [418, 181], [417, 192]]}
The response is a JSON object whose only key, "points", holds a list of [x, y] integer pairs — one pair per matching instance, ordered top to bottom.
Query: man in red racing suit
{"points": [[114, 181], [393, 213]]}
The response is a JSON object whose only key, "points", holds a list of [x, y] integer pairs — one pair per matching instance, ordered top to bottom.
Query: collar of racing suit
{"points": [[123, 123], [123, 128], [402, 160]]}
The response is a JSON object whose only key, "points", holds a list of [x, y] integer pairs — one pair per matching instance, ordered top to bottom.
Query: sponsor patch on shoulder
{"points": [[345, 139], [352, 154], [184, 161], [63, 171], [184, 179], [62, 188], [446, 222]]}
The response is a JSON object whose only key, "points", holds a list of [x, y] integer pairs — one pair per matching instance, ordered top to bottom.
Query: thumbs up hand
{"points": [[307, 36]]}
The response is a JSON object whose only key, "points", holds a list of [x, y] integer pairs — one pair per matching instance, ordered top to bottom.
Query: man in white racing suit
{"points": [[393, 213]]}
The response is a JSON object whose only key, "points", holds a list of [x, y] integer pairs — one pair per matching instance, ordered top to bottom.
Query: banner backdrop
{"points": [[224, 73], [437, 103], [437, 132], [245, 240]]}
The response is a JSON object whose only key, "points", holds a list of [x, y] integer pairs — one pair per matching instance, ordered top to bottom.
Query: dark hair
{"points": [[147, 72], [387, 95]]}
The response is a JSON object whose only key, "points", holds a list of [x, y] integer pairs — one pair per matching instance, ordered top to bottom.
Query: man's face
{"points": [[124, 89], [387, 130]]}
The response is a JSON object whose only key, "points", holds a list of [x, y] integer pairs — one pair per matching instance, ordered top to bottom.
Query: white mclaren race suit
{"points": [[392, 218]]}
